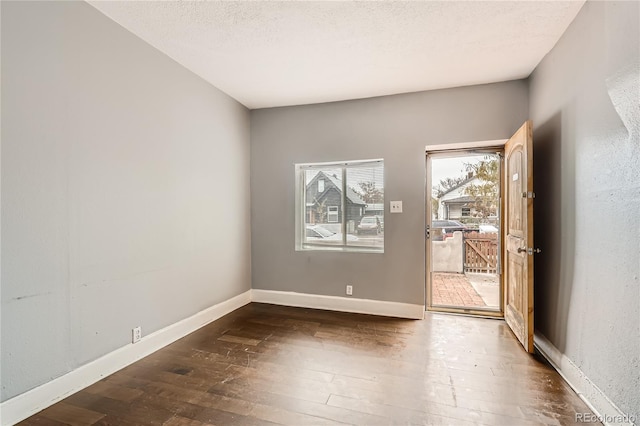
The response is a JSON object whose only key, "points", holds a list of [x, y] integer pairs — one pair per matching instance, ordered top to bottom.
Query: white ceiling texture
{"points": [[276, 53]]}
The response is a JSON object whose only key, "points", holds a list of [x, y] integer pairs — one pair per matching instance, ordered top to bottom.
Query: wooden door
{"points": [[518, 220]]}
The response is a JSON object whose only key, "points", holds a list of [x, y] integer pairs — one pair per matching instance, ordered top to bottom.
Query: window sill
{"points": [[344, 249]]}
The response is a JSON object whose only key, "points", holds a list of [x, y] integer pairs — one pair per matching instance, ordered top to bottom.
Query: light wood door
{"points": [[518, 220]]}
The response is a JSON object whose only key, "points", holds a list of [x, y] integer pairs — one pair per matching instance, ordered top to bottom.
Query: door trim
{"points": [[461, 146], [447, 151]]}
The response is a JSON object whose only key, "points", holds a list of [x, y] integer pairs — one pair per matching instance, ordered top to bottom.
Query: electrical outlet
{"points": [[395, 206], [349, 290], [136, 334]]}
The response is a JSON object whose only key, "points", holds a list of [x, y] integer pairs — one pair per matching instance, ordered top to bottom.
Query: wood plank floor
{"points": [[266, 364]]}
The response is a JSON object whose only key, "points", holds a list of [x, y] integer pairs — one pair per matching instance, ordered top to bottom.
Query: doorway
{"points": [[463, 230]]}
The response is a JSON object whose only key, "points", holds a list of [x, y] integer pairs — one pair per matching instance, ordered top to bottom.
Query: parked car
{"points": [[370, 225], [449, 225], [441, 229], [488, 229], [320, 233]]}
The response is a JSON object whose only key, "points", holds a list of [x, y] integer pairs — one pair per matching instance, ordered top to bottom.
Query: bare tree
{"points": [[448, 184], [369, 193], [484, 193], [321, 210]]}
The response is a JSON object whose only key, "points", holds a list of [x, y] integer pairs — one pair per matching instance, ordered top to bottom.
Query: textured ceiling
{"points": [[267, 54]]}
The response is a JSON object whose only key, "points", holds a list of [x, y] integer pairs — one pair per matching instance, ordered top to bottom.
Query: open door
{"points": [[464, 218], [518, 223]]}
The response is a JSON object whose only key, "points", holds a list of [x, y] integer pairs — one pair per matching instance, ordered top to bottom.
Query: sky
{"points": [[452, 167]]}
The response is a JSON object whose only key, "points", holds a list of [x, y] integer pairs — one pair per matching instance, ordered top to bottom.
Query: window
{"points": [[340, 206], [466, 211], [332, 214]]}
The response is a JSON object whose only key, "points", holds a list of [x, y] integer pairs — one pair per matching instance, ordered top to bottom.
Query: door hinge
{"points": [[529, 194]]}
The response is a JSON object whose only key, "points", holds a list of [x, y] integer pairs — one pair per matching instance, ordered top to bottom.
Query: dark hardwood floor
{"points": [[266, 364]]}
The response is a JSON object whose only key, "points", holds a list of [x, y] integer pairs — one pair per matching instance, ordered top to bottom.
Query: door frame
{"points": [[447, 151]]}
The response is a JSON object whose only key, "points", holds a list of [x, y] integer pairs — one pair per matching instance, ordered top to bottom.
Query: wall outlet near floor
{"points": [[349, 290], [136, 334]]}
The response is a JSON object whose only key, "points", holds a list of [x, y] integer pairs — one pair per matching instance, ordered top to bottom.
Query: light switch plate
{"points": [[395, 206]]}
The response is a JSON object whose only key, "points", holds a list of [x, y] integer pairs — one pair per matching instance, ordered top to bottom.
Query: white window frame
{"points": [[320, 186], [301, 204], [331, 213]]}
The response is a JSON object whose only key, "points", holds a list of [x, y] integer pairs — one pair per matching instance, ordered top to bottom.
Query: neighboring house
{"points": [[324, 201], [455, 204], [374, 209]]}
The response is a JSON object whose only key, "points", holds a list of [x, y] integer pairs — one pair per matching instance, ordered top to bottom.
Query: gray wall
{"points": [[396, 128], [116, 161], [587, 178], [125, 191]]}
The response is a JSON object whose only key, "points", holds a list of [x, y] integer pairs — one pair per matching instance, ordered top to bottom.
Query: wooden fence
{"points": [[481, 252]]}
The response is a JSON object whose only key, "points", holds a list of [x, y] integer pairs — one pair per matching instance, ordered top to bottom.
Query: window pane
{"points": [[323, 203], [332, 205], [365, 205]]}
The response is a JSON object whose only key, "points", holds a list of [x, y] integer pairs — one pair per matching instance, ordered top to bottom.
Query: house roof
{"points": [[337, 183], [463, 183], [465, 199], [375, 206]]}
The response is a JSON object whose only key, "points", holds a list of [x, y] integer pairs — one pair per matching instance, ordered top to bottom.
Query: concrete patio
{"points": [[471, 290]]}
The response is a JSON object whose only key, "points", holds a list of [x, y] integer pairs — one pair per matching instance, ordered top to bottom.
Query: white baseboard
{"points": [[342, 304], [24, 405], [605, 410]]}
